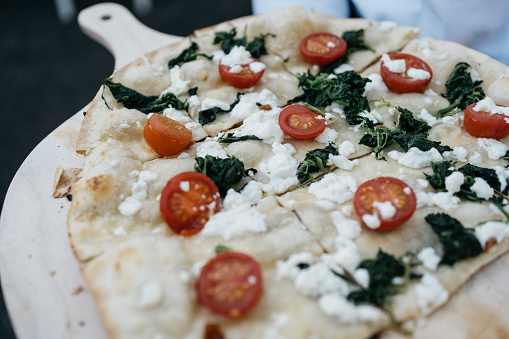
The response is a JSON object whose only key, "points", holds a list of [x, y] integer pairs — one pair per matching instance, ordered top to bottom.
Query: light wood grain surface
{"points": [[43, 288]]}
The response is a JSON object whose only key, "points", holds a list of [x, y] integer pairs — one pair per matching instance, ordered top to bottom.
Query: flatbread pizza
{"points": [[291, 175]]}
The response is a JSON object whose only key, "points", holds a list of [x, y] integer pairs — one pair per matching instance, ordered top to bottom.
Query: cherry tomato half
{"points": [[322, 48], [244, 79], [401, 82], [300, 122], [485, 124], [165, 136], [383, 190], [188, 201], [230, 284]]}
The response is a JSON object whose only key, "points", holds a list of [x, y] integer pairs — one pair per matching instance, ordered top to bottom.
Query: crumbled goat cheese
{"points": [[238, 56], [257, 66], [394, 66], [343, 68], [418, 74], [178, 84], [377, 84], [211, 102], [327, 136], [211, 147], [346, 148], [494, 148], [458, 153], [415, 158], [475, 158], [341, 162], [281, 169], [454, 181], [334, 187], [482, 189], [444, 200], [132, 204], [326, 205], [387, 209], [237, 217], [371, 220], [346, 227], [492, 230], [429, 258], [289, 268], [430, 294], [345, 311]]}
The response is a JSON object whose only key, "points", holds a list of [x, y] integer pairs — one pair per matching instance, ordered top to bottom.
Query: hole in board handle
{"points": [[106, 17]]}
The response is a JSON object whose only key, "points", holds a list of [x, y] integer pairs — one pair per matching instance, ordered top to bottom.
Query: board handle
{"points": [[115, 27]]}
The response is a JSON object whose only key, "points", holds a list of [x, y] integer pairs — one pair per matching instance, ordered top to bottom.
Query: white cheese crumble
{"points": [[238, 56], [257, 66], [394, 66], [343, 68], [418, 74], [178, 84], [377, 84], [211, 102], [487, 105], [327, 136], [211, 147], [346, 148], [494, 148], [458, 153], [415, 158], [475, 158], [341, 162], [281, 169], [454, 181], [185, 186], [334, 188], [482, 189], [444, 200], [133, 203], [387, 209], [235, 219], [372, 221], [346, 227], [492, 230], [429, 258], [289, 268], [318, 279], [430, 294], [150, 295], [346, 312]]}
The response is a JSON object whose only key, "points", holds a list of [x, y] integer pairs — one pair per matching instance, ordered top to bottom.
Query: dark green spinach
{"points": [[227, 40], [189, 54], [347, 89], [461, 91], [146, 104], [209, 115], [229, 138], [315, 161], [223, 172], [457, 242]]}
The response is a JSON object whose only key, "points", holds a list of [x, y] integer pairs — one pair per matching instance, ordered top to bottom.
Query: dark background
{"points": [[49, 70]]}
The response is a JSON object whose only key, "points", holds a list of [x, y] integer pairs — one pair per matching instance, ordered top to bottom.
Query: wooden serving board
{"points": [[41, 280]]}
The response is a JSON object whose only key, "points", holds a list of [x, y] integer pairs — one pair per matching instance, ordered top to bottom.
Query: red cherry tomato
{"points": [[322, 48], [244, 79], [401, 82], [300, 122], [484, 124], [165, 136], [381, 190], [187, 202], [230, 284]]}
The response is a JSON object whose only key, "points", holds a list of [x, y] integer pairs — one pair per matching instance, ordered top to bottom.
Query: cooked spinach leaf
{"points": [[227, 40], [354, 42], [189, 54], [347, 89], [193, 91], [461, 91], [146, 104], [209, 115], [409, 133], [229, 138], [315, 161], [442, 170], [223, 172], [457, 242], [382, 270]]}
